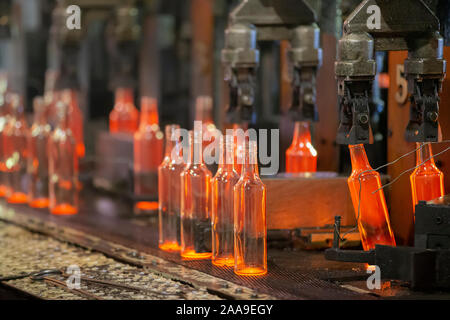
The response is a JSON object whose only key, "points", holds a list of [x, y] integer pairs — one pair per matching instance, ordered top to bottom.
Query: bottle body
{"points": [[70, 97], [124, 117], [16, 153], [148, 154], [301, 157], [38, 160], [63, 167], [427, 181], [169, 192], [222, 195], [196, 204], [373, 221], [250, 230]]}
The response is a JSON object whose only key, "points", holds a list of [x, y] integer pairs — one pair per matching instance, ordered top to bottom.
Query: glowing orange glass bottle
{"points": [[70, 98], [124, 117], [4, 118], [16, 153], [148, 154], [301, 157], [38, 160], [63, 166], [427, 181], [169, 191], [196, 203], [222, 205], [373, 223], [250, 229]]}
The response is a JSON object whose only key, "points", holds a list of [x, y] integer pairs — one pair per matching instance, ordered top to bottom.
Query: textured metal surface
{"points": [[22, 252]]}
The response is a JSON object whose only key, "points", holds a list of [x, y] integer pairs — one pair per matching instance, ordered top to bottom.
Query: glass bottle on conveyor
{"points": [[70, 98], [124, 117], [4, 118], [16, 152], [148, 154], [301, 157], [38, 160], [63, 166], [427, 181], [169, 191], [196, 203], [369, 204], [222, 205], [250, 229]]}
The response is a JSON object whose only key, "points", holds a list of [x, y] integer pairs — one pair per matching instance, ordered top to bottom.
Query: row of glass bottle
{"points": [[38, 165], [427, 183], [222, 218]]}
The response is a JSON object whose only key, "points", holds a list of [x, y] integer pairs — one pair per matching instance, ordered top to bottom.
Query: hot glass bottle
{"points": [[70, 98], [204, 113], [124, 117], [4, 118], [16, 153], [148, 154], [301, 157], [38, 160], [63, 166], [427, 181], [169, 191], [196, 203], [222, 205], [373, 223], [250, 230]]}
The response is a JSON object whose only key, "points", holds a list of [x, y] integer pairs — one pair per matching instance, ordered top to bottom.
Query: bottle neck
{"points": [[124, 96], [149, 113], [302, 133], [172, 140], [196, 146], [227, 153], [424, 155], [359, 157], [250, 166]]}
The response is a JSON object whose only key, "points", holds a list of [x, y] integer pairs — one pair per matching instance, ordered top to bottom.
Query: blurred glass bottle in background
{"points": [[70, 98], [124, 117], [4, 118], [16, 152], [148, 154], [301, 157], [38, 160], [63, 166], [427, 181], [169, 191], [196, 203], [222, 205], [373, 221], [250, 229]]}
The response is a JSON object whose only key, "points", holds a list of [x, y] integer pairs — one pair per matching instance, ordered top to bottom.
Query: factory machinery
{"points": [[323, 62]]}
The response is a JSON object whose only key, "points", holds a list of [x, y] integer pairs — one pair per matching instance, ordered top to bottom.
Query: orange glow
{"points": [[384, 80], [70, 97], [124, 117], [148, 151], [301, 156], [38, 160], [63, 166], [427, 181], [3, 190], [169, 192], [17, 197], [40, 203], [196, 203], [147, 205], [222, 206], [64, 209], [373, 223], [250, 229], [170, 247]]}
